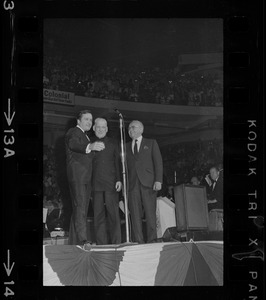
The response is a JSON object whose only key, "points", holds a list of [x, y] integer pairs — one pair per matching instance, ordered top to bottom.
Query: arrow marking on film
{"points": [[8, 118], [8, 268]]}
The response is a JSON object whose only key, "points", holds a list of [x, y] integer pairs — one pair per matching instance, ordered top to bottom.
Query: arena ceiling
{"points": [[144, 41]]}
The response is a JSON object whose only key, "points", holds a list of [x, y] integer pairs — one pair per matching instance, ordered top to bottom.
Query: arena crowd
{"points": [[152, 85]]}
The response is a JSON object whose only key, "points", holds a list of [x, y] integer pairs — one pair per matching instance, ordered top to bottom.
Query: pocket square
{"points": [[146, 147]]}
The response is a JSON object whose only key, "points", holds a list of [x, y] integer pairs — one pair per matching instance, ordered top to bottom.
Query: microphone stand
{"points": [[124, 174]]}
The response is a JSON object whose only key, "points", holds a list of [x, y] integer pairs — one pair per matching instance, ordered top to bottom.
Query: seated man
{"points": [[195, 181]]}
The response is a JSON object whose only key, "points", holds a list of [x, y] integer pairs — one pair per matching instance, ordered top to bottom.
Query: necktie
{"points": [[87, 137], [136, 148], [213, 186]]}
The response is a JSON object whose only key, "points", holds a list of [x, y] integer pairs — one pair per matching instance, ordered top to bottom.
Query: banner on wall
{"points": [[58, 97]]}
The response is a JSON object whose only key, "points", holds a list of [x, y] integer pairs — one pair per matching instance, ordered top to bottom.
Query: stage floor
{"points": [[157, 264]]}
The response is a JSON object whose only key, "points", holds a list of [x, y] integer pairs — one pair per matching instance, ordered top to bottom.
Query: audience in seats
{"points": [[151, 85]]}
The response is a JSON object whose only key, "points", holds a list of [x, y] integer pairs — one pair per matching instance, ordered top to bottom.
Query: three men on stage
{"points": [[94, 170]]}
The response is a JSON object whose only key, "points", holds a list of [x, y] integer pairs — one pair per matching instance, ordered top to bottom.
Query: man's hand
{"points": [[97, 146], [118, 186], [157, 186]]}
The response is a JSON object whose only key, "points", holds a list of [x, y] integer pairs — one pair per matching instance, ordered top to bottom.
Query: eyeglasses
{"points": [[133, 127]]}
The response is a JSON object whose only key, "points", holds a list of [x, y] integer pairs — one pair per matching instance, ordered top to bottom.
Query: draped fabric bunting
{"points": [[157, 264]]}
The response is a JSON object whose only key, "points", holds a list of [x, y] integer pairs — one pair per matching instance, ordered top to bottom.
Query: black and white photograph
{"points": [[133, 151]]}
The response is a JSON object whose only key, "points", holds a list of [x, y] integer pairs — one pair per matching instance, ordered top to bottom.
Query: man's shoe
{"points": [[86, 245]]}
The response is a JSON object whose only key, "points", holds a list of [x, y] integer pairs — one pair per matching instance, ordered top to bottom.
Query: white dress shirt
{"points": [[138, 143], [87, 148]]}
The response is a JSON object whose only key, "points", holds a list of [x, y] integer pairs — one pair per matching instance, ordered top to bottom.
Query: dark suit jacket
{"points": [[79, 164], [106, 166], [147, 166], [217, 193]]}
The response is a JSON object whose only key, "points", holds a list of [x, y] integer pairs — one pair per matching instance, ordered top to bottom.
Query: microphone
{"points": [[118, 112]]}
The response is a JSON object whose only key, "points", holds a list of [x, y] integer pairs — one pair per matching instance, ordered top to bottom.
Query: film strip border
{"points": [[22, 150], [244, 217]]}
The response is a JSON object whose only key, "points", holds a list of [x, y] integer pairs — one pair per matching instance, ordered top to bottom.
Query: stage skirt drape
{"points": [[157, 264]]}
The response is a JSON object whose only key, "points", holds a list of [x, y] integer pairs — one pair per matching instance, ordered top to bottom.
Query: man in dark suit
{"points": [[79, 170], [145, 172], [106, 184], [215, 201]]}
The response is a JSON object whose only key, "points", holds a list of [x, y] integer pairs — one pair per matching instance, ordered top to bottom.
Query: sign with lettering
{"points": [[58, 97]]}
